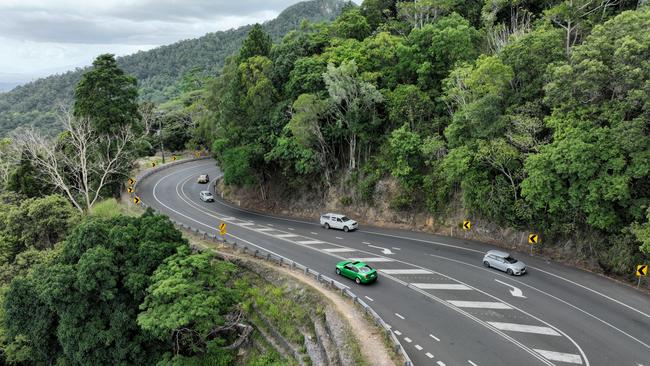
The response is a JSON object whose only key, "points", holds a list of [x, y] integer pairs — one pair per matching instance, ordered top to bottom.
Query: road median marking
{"points": [[339, 250], [372, 259], [406, 271], [441, 286], [479, 305], [523, 328], [559, 356]]}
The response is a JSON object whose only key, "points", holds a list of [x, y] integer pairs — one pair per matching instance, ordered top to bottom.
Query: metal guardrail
{"points": [[282, 261]]}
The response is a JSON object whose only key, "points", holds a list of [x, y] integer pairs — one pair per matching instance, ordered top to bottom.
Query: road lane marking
{"points": [[245, 223], [270, 224], [290, 228], [265, 229], [313, 233], [286, 236], [340, 238], [310, 242], [365, 242], [396, 248], [339, 250], [372, 259], [405, 271], [441, 286], [514, 291], [369, 298], [479, 304], [399, 316], [513, 327], [398, 332], [504, 335], [434, 337], [408, 339], [418, 347], [429, 355], [559, 356], [440, 363], [472, 363]]}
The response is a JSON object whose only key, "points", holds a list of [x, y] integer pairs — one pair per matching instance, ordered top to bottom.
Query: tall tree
{"points": [[257, 43], [107, 96]]}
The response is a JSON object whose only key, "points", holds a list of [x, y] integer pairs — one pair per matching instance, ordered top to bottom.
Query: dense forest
{"points": [[159, 71], [532, 115]]}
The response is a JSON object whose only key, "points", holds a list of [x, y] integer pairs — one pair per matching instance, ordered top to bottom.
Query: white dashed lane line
{"points": [[246, 223], [290, 228], [265, 229], [313, 233], [286, 236], [339, 238], [365, 242], [396, 248], [369, 298], [479, 304], [399, 316], [513, 327], [398, 332], [434, 337], [409, 340], [418, 347], [428, 354], [440, 363], [472, 363]]}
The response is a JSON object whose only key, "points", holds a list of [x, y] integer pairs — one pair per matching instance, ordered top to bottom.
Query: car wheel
{"points": [[327, 226], [346, 229], [486, 264], [338, 271], [509, 271], [357, 280]]}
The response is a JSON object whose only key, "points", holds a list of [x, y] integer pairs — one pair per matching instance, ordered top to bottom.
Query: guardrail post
{"points": [[255, 253], [268, 256], [280, 261], [293, 265], [306, 270], [318, 277]]}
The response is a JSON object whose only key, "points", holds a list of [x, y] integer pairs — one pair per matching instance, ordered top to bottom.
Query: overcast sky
{"points": [[41, 37]]}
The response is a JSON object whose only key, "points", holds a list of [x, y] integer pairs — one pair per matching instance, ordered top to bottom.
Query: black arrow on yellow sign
{"points": [[173, 157], [153, 164], [131, 181], [130, 189], [136, 200], [467, 225], [222, 228], [533, 239], [642, 270]]}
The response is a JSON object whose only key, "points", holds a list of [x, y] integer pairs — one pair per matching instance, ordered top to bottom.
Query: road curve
{"points": [[445, 308]]}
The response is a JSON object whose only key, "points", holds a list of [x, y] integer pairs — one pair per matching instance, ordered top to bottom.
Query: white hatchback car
{"points": [[206, 196], [338, 221], [504, 262]]}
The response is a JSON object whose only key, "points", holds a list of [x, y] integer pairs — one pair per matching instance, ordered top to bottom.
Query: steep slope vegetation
{"points": [[158, 71]]}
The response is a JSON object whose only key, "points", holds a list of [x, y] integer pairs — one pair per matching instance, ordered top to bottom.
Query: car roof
{"points": [[203, 175], [204, 192], [334, 215], [498, 253]]}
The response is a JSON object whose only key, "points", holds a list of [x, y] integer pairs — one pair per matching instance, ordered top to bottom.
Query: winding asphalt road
{"points": [[455, 311]]}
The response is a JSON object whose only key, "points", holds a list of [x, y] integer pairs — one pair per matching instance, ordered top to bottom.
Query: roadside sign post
{"points": [[131, 181], [130, 189], [136, 200], [467, 225], [222, 229], [532, 240], [641, 271]]}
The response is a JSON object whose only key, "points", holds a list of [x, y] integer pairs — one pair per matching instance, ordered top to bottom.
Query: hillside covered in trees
{"points": [[159, 71], [527, 114]]}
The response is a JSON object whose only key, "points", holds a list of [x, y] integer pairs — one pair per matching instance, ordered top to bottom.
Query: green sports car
{"points": [[357, 271]]}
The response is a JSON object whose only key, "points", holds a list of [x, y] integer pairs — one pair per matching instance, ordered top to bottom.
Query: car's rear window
{"points": [[344, 219], [365, 269]]}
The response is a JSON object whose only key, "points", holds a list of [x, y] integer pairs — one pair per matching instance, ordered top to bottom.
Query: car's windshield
{"points": [[345, 218], [510, 260], [365, 269]]}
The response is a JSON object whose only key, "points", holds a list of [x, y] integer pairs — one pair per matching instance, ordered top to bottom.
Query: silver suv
{"points": [[206, 196], [503, 261]]}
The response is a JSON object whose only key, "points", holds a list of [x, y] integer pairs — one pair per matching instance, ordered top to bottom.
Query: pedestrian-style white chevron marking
{"points": [[265, 229], [286, 236], [310, 242], [339, 250], [374, 259], [405, 271], [440, 286], [479, 304], [524, 328], [559, 356]]}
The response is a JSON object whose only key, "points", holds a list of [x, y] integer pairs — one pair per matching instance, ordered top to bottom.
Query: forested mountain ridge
{"points": [[158, 71]]}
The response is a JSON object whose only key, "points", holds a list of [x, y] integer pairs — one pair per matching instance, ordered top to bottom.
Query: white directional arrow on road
{"points": [[383, 250], [516, 292]]}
